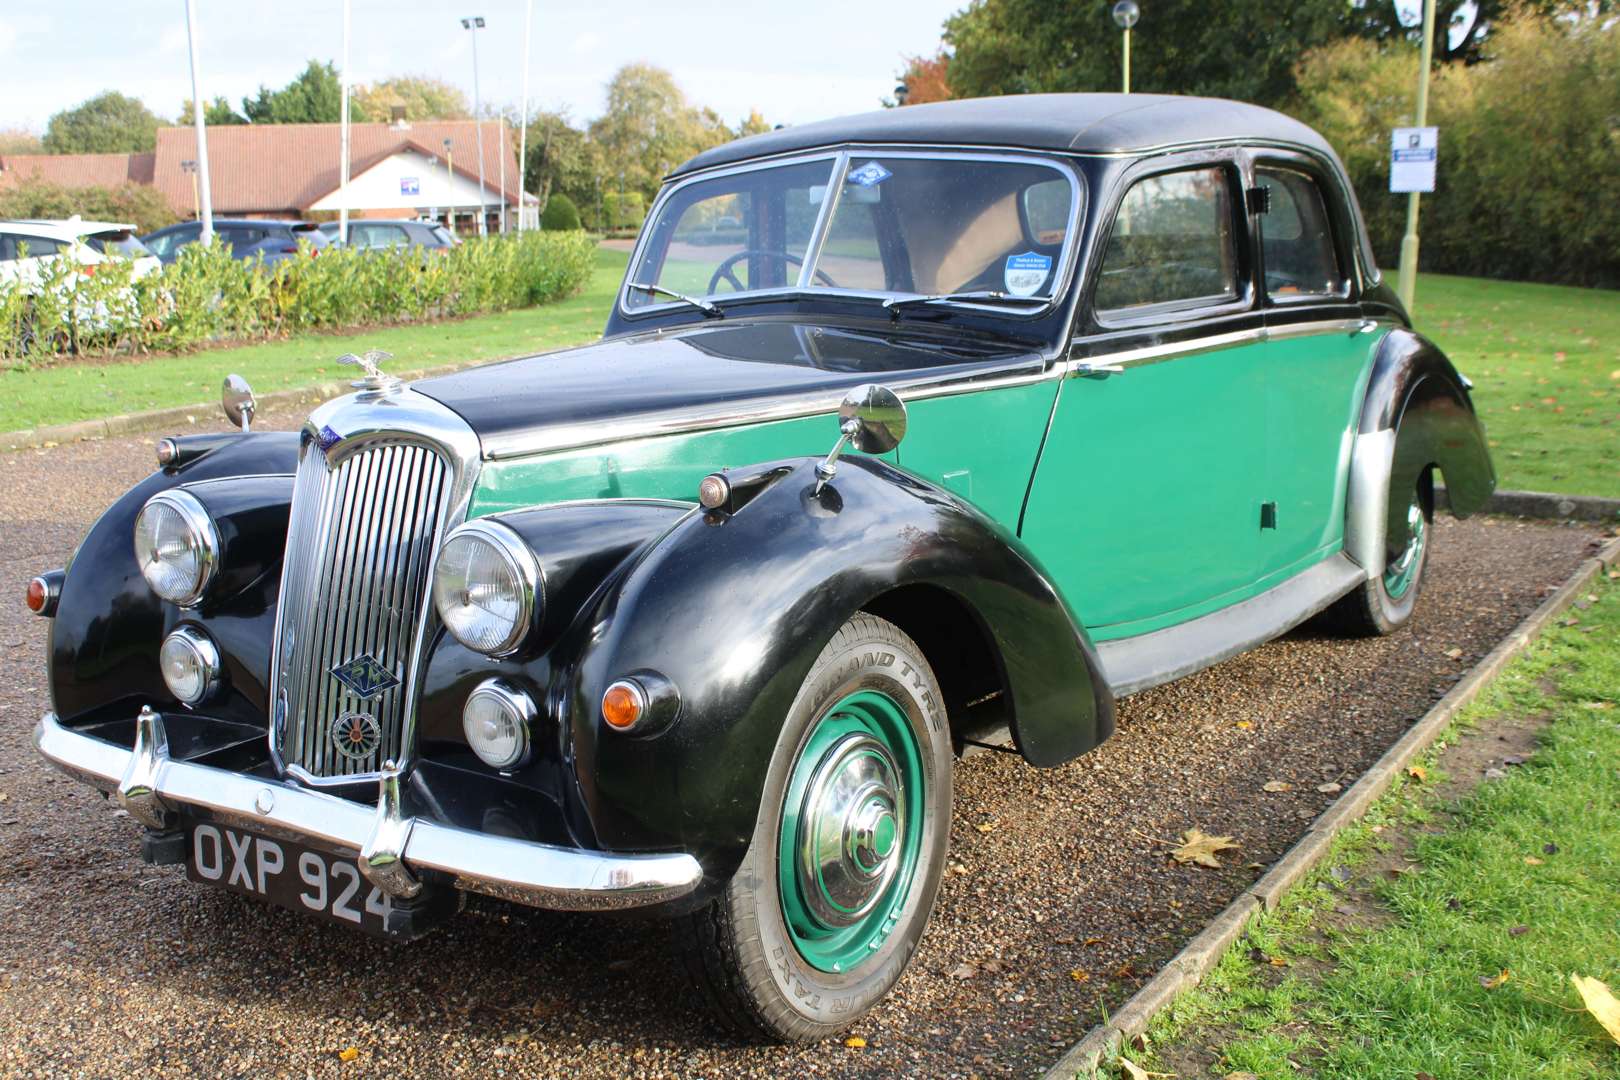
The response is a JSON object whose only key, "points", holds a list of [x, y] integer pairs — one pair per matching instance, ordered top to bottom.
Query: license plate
{"points": [[287, 874]]}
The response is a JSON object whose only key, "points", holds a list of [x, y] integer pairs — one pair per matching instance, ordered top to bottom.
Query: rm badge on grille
{"points": [[365, 676]]}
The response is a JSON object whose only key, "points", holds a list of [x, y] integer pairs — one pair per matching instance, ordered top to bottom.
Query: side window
{"points": [[1296, 239], [1173, 243], [8, 247]]}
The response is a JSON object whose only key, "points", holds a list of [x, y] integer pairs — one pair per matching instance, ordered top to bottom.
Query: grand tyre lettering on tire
{"points": [[848, 846]]}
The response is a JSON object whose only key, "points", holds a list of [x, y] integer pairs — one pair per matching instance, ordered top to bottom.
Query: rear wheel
{"points": [[1384, 604], [848, 847]]}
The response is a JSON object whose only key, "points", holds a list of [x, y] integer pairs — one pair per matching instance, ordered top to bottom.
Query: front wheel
{"points": [[848, 847]]}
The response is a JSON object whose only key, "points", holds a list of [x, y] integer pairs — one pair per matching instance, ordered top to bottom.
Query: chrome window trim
{"points": [[842, 157], [357, 420], [525, 564]]}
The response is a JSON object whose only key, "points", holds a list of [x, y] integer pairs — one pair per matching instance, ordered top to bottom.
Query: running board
{"points": [[1139, 663]]}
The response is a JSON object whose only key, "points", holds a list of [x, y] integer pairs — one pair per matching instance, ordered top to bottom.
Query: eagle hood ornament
{"points": [[375, 378]]}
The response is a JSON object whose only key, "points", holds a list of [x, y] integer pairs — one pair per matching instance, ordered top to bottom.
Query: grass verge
{"points": [[1545, 360], [81, 391], [1439, 938]]}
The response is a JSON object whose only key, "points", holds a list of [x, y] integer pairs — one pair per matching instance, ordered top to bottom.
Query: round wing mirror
{"points": [[237, 399], [879, 417]]}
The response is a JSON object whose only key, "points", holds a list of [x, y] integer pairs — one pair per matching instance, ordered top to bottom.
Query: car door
{"points": [[1318, 355], [1145, 507]]}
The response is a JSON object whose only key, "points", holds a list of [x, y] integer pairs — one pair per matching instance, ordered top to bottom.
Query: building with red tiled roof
{"points": [[423, 169]]}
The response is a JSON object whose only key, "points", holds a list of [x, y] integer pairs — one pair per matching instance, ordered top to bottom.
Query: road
{"points": [[1059, 901]]}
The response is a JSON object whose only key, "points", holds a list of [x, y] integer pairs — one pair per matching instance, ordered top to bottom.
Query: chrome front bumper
{"points": [[390, 849]]}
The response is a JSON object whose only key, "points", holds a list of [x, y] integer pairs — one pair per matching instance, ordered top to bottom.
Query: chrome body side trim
{"points": [[337, 431], [1366, 514], [1139, 663], [540, 875]]}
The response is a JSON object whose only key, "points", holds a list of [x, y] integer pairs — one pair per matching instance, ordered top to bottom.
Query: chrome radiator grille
{"points": [[354, 588]]}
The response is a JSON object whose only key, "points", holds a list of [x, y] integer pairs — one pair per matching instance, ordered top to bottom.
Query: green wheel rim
{"points": [[1403, 570], [851, 834]]}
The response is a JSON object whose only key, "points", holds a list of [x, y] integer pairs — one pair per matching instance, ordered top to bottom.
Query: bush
{"points": [[1529, 141], [138, 204], [626, 211], [561, 213], [205, 295]]}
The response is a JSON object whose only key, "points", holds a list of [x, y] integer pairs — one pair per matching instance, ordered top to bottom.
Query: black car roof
{"points": [[1072, 123]]}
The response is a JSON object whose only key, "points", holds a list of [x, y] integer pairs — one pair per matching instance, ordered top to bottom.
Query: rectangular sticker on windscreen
{"points": [[1025, 274]]}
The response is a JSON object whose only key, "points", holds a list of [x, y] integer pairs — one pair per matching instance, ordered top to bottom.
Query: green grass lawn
{"points": [[1545, 361], [78, 390], [1363, 972]]}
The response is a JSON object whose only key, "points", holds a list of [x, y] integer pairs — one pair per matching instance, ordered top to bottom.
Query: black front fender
{"points": [[735, 608]]}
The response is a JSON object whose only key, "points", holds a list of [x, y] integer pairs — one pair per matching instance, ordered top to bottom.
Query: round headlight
{"points": [[177, 546], [486, 587], [190, 664], [496, 721]]}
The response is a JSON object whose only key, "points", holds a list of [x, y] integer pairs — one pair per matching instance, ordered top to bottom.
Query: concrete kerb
{"points": [[185, 415], [1195, 960]]}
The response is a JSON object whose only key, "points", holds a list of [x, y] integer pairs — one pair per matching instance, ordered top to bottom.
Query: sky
{"points": [[793, 62]]}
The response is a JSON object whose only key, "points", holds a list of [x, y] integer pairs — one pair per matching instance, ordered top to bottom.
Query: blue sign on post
{"points": [[410, 185]]}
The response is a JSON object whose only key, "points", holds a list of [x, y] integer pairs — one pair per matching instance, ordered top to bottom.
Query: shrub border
{"points": [[1200, 955]]}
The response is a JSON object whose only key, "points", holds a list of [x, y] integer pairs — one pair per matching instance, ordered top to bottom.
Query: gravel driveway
{"points": [[1059, 900]]}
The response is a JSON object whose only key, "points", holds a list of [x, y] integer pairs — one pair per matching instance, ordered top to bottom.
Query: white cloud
{"points": [[586, 42]]}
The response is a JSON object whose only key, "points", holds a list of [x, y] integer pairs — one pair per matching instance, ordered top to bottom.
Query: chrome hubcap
{"points": [[1400, 572], [849, 828]]}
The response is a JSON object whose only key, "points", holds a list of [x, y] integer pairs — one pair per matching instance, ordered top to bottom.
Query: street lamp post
{"points": [[1125, 15], [475, 23], [343, 136], [523, 136], [189, 165], [450, 181], [205, 198], [1406, 281]]}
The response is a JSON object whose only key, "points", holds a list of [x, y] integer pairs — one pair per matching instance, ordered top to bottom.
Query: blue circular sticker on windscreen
{"points": [[1025, 274]]}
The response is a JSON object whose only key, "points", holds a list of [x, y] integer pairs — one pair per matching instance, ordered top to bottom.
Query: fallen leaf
{"points": [[1455, 654], [1599, 705], [1244, 725], [1418, 773], [1277, 785], [1329, 788], [985, 826], [1200, 848], [1549, 849], [1531, 860], [1518, 931], [1093, 941], [962, 971], [1124, 971], [1079, 976], [1491, 982], [1600, 1002], [855, 1042], [348, 1053], [1136, 1072]]}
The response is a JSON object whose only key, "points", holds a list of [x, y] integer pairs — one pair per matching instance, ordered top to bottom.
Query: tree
{"points": [[1462, 26], [1218, 48], [926, 78], [314, 97], [424, 98], [216, 113], [109, 123], [755, 124], [648, 127], [19, 141], [562, 158], [139, 204], [560, 213]]}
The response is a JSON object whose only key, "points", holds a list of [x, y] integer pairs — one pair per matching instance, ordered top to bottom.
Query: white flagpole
{"points": [[523, 118], [343, 137], [207, 194]]}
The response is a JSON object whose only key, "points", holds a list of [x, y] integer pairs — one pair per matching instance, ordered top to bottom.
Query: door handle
{"points": [[1097, 371]]}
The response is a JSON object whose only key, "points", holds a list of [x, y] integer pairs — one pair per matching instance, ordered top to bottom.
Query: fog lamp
{"points": [[190, 664], [496, 721]]}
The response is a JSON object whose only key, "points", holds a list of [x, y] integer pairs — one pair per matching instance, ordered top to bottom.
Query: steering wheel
{"points": [[723, 271]]}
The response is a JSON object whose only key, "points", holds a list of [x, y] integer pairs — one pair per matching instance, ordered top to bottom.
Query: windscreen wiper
{"points": [[894, 303], [704, 306]]}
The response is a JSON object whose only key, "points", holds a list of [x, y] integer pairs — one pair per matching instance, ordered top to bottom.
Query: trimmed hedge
{"points": [[560, 215], [205, 295]]}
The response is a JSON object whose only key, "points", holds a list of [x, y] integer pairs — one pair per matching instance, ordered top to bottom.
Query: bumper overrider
{"points": [[392, 850]]}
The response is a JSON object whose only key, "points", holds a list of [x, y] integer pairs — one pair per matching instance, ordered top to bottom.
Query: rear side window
{"points": [[443, 235], [1296, 238], [117, 242], [1173, 244], [30, 247]]}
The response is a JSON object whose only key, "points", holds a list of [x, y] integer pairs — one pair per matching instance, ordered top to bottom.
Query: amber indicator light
{"points": [[37, 595], [622, 706]]}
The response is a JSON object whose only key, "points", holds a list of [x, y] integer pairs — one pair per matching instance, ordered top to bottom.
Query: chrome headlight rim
{"points": [[205, 537], [525, 566], [202, 647], [522, 707]]}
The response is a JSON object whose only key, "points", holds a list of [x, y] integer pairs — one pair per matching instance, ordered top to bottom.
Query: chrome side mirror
{"points": [[236, 398], [871, 417]]}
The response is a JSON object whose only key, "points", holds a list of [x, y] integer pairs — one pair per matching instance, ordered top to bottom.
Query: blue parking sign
{"points": [[410, 185]]}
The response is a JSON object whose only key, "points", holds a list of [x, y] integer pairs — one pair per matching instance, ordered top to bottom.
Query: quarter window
{"points": [[1296, 240], [1173, 243]]}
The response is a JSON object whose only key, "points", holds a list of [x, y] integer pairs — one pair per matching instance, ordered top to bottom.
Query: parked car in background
{"points": [[373, 234], [246, 237], [89, 243], [1119, 393]]}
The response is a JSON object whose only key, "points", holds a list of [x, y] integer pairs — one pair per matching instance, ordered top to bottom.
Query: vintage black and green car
{"points": [[909, 431]]}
